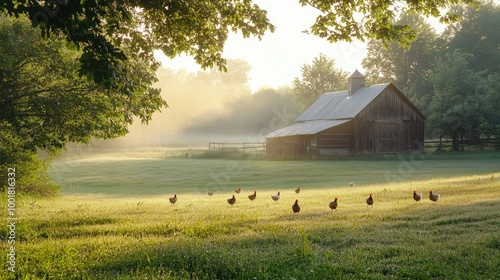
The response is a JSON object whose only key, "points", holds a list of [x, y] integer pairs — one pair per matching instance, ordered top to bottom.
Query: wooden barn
{"points": [[361, 120]]}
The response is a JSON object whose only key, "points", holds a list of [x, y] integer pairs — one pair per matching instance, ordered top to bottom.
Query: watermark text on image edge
{"points": [[11, 218]]}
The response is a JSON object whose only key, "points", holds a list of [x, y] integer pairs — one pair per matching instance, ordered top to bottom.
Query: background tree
{"points": [[477, 34], [471, 62], [407, 67], [319, 77], [234, 81], [45, 103], [457, 105], [490, 125]]}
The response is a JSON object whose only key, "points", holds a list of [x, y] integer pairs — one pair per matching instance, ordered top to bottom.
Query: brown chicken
{"points": [[238, 190], [297, 190], [210, 193], [253, 196], [417, 196], [276, 197], [434, 197], [173, 200], [231, 200], [370, 200], [333, 204], [296, 207]]}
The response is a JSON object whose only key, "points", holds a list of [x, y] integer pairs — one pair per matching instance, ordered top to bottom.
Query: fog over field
{"points": [[211, 106]]}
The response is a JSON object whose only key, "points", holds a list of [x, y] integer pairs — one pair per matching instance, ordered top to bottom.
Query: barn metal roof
{"points": [[338, 105], [305, 128]]}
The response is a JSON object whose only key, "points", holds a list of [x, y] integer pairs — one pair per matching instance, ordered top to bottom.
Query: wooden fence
{"points": [[484, 143], [244, 146]]}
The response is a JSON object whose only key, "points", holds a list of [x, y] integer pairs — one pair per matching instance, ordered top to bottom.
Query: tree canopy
{"points": [[376, 19], [200, 28], [101, 29]]}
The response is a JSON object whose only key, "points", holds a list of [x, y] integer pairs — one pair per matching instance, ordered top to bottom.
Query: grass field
{"points": [[113, 220]]}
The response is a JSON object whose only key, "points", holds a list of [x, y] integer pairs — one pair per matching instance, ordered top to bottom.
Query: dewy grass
{"points": [[107, 225]]}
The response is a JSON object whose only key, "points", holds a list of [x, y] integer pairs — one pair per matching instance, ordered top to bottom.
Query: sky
{"points": [[277, 59]]}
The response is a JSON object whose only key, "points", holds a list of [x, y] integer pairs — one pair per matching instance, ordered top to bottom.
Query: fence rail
{"points": [[476, 143], [485, 143], [257, 146]]}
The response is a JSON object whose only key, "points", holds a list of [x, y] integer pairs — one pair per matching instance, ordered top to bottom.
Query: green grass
{"points": [[113, 220]]}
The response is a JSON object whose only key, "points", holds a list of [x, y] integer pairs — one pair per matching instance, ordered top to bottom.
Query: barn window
{"points": [[313, 142]]}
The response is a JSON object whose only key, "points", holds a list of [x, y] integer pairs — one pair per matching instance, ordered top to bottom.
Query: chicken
{"points": [[350, 183], [237, 190], [297, 190], [210, 193], [253, 196], [417, 196], [276, 197], [434, 197], [173, 200], [231, 200], [370, 200], [333, 204], [296, 207]]}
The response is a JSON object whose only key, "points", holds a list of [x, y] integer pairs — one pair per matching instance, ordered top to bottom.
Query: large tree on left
{"points": [[45, 102]]}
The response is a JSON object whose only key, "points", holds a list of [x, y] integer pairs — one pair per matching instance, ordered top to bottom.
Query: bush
{"points": [[30, 171], [31, 177]]}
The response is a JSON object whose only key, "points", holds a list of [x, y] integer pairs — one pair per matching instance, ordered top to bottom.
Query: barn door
{"points": [[409, 136], [387, 137]]}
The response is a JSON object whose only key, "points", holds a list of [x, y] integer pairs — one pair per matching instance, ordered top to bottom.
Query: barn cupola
{"points": [[355, 82]]}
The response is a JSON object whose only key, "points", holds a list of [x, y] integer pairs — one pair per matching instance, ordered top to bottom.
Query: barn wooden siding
{"points": [[389, 124], [336, 141], [290, 147]]}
